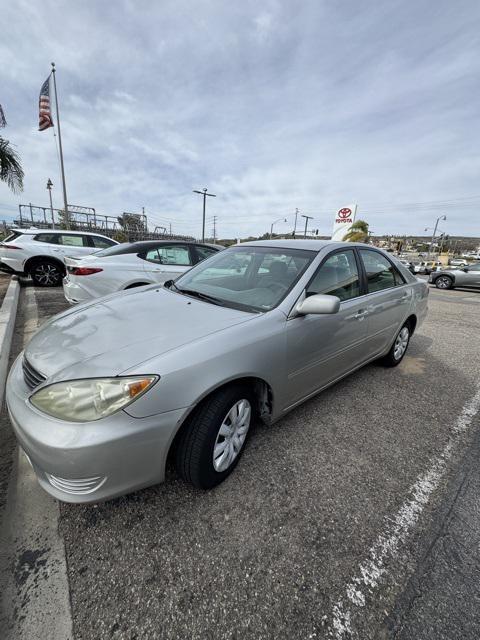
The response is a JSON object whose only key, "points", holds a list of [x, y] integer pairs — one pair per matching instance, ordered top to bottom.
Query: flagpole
{"points": [[65, 204]]}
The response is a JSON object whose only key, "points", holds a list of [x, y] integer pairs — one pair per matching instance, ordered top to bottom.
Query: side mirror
{"points": [[465, 269], [167, 284], [318, 305]]}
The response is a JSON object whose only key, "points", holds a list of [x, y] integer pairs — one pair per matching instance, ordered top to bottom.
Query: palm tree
{"points": [[11, 170], [358, 232]]}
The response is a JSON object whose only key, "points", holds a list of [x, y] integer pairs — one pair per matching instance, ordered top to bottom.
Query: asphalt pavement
{"points": [[288, 546]]}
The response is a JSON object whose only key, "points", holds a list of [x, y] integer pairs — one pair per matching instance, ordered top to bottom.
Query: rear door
{"points": [[71, 244], [167, 261], [388, 299], [322, 348]]}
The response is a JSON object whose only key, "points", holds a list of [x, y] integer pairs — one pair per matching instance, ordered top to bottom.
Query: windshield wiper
{"points": [[200, 296]]}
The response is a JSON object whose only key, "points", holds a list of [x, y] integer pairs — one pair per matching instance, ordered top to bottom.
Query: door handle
{"points": [[361, 313]]}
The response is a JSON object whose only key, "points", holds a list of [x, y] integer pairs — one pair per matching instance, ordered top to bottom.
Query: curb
{"points": [[8, 313]]}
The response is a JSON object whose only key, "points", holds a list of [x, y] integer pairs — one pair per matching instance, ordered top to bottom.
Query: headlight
{"points": [[87, 400]]}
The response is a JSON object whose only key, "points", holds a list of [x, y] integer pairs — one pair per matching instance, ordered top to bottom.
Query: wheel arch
{"points": [[34, 259], [440, 274], [133, 285], [412, 323], [264, 404]]}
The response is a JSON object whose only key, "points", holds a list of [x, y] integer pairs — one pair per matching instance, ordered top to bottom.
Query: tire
{"points": [[46, 273], [444, 282], [398, 348], [195, 460]]}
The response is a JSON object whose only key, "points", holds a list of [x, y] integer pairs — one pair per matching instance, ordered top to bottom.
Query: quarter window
{"points": [[101, 243], [204, 252], [381, 274], [338, 276]]}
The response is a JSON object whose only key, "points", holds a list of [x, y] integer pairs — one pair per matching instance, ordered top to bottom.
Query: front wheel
{"points": [[46, 273], [444, 282], [398, 348], [213, 440]]}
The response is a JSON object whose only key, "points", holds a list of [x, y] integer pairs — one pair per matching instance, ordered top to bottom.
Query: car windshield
{"points": [[247, 278]]}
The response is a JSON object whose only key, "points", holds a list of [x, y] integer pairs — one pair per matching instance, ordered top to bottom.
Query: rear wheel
{"points": [[46, 273], [444, 282], [398, 348], [212, 442]]}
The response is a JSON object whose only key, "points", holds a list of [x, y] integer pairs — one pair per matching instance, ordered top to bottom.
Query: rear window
{"points": [[12, 236], [117, 250]]}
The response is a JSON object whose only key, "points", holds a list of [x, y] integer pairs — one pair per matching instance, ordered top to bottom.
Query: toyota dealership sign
{"points": [[344, 218]]}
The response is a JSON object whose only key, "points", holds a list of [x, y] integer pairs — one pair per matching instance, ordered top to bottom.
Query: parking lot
{"points": [[353, 517]]}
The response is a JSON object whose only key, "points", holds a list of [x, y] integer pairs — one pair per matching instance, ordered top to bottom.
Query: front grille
{"points": [[31, 376], [77, 486]]}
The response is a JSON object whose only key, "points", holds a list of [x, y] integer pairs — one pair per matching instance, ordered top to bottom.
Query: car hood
{"points": [[116, 333]]}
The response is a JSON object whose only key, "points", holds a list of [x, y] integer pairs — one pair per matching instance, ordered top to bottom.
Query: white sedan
{"points": [[130, 265]]}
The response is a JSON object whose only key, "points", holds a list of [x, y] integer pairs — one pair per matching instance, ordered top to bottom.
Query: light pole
{"points": [[49, 187], [204, 193], [307, 218], [275, 222], [295, 225], [433, 236]]}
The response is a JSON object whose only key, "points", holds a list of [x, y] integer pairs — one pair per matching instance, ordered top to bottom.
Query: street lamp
{"points": [[49, 187], [204, 193], [275, 222], [433, 236]]}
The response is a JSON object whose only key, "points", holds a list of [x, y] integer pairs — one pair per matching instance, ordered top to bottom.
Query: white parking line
{"points": [[386, 547], [35, 593]]}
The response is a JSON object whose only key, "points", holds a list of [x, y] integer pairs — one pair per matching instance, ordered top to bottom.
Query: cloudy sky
{"points": [[272, 105]]}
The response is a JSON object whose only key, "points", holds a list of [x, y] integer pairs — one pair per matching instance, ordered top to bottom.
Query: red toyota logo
{"points": [[344, 213]]}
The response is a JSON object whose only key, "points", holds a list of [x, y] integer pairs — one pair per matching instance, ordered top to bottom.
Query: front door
{"points": [[322, 348]]}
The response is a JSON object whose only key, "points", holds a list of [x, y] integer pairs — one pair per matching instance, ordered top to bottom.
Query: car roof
{"points": [[34, 231], [146, 244], [308, 245]]}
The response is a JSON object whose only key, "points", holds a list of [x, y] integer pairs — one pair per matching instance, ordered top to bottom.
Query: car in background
{"points": [[40, 253], [458, 262], [408, 264], [130, 265], [426, 266], [457, 277], [105, 394]]}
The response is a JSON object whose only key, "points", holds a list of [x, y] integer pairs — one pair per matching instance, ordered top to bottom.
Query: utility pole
{"points": [[49, 187], [204, 193], [307, 218], [295, 225], [214, 229]]}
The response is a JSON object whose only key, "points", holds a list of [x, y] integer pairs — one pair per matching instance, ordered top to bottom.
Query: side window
{"points": [[51, 238], [72, 240], [100, 243], [203, 252], [174, 254], [152, 256], [381, 274], [338, 276]]}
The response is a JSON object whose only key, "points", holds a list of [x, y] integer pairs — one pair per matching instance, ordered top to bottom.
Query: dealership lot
{"points": [[317, 534]]}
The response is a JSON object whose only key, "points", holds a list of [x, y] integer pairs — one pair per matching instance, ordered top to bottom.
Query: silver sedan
{"points": [[105, 392]]}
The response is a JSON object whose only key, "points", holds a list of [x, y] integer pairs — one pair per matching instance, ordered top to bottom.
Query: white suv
{"points": [[39, 253]]}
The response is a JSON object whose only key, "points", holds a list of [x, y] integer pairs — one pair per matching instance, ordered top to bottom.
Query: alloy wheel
{"points": [[47, 274], [443, 282], [401, 343], [231, 435]]}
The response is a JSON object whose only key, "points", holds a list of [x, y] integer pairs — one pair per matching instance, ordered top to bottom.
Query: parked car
{"points": [[39, 253], [458, 262], [130, 265], [426, 266], [457, 277], [104, 393]]}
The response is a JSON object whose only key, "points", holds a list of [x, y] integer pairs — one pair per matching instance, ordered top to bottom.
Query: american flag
{"points": [[45, 115]]}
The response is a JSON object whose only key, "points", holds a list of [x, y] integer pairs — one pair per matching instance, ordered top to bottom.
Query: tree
{"points": [[11, 170], [358, 232]]}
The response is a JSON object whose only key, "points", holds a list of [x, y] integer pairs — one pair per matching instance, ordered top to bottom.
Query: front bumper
{"points": [[92, 461]]}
